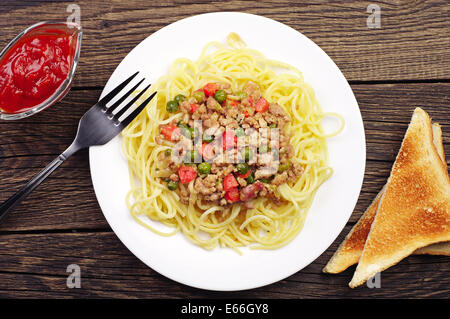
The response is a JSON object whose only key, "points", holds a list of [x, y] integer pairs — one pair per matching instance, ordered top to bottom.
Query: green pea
{"points": [[241, 95], [199, 96], [220, 96], [179, 98], [227, 103], [172, 106], [182, 124], [273, 125], [185, 132], [191, 132], [239, 132], [207, 138], [263, 149], [168, 152], [275, 153], [247, 154], [191, 156], [284, 167], [204, 168], [242, 168], [251, 179], [172, 185]]}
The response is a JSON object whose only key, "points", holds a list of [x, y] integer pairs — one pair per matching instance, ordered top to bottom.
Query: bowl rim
{"points": [[64, 87]]}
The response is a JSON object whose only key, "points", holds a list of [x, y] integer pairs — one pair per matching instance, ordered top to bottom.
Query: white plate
{"points": [[223, 269]]}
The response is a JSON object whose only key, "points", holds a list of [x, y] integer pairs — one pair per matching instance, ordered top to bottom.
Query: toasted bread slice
{"points": [[437, 142], [414, 210], [351, 248], [439, 248], [435, 249]]}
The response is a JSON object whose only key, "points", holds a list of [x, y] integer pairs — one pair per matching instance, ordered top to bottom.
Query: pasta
{"points": [[265, 225]]}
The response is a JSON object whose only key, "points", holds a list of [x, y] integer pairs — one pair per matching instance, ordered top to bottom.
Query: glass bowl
{"points": [[37, 29]]}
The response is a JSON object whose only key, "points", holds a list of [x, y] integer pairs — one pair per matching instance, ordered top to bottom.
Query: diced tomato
{"points": [[210, 89], [230, 102], [262, 105], [194, 107], [246, 114], [170, 132], [228, 139], [277, 145], [207, 151], [186, 174], [245, 175], [229, 182], [258, 186], [232, 195]]}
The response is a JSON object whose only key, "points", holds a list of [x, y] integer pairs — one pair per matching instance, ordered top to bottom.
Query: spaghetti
{"points": [[265, 225]]}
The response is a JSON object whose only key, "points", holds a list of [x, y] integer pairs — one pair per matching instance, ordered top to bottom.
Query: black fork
{"points": [[97, 127]]}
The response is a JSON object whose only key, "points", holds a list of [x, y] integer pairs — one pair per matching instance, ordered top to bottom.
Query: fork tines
{"points": [[116, 91], [138, 110]]}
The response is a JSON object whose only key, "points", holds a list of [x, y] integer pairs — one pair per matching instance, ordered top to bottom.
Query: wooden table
{"points": [[392, 69]]}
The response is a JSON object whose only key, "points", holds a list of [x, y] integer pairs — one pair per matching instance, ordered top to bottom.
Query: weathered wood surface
{"points": [[413, 42], [404, 64], [35, 262], [34, 265]]}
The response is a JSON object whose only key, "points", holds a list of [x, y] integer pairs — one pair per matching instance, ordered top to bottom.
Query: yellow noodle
{"points": [[265, 226]]}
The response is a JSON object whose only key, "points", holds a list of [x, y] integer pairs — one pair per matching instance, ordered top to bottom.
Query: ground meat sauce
{"points": [[222, 155]]}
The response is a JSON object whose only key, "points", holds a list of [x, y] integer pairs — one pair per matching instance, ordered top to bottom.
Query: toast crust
{"points": [[414, 210], [441, 249], [350, 250]]}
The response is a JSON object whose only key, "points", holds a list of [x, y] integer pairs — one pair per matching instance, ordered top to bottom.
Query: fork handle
{"points": [[14, 200]]}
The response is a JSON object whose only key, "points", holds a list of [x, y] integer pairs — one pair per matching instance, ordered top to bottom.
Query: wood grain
{"points": [[412, 44], [392, 70], [386, 110], [66, 200], [32, 264]]}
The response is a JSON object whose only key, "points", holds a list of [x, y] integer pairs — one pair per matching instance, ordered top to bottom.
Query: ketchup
{"points": [[34, 68]]}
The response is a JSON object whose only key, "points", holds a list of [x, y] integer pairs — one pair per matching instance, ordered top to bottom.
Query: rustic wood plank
{"points": [[413, 42], [395, 103], [386, 110], [22, 139], [67, 201], [61, 223], [34, 265]]}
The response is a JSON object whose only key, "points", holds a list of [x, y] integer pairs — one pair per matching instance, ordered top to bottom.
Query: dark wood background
{"points": [[404, 64]]}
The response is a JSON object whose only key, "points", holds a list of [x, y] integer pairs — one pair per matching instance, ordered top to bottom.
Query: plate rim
{"points": [[262, 283]]}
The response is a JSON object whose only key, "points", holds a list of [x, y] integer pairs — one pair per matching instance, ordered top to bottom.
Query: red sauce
{"points": [[34, 68]]}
